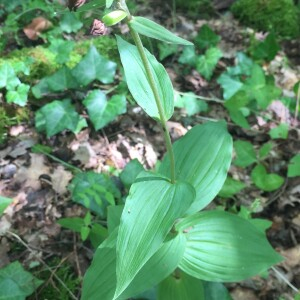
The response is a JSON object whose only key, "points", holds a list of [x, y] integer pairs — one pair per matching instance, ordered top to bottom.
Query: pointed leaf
{"points": [[153, 30], [206, 37], [94, 66], [8, 78], [138, 83], [19, 96], [102, 111], [56, 117], [245, 154], [202, 158], [294, 166], [264, 181], [4, 203], [150, 211], [224, 247], [100, 280], [181, 286]]}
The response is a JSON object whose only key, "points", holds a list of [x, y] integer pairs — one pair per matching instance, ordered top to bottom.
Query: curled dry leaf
{"points": [[36, 27]]}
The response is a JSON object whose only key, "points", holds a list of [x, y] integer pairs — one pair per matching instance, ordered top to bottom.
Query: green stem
{"points": [[158, 102]]}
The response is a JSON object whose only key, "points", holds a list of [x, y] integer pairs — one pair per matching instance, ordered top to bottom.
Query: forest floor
{"points": [[38, 183]]}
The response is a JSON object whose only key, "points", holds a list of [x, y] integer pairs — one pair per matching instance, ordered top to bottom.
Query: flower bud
{"points": [[74, 4], [114, 17], [98, 28]]}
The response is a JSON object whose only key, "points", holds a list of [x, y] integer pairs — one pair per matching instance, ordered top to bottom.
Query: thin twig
{"points": [[217, 100], [76, 255], [41, 261], [281, 276]]}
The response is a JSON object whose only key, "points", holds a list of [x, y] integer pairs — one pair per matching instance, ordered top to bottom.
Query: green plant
{"points": [[282, 16], [159, 237]]}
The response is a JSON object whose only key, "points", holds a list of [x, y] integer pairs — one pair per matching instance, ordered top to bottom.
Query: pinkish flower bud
{"points": [[98, 28]]}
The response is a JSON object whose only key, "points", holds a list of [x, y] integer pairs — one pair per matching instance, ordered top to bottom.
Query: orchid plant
{"points": [[162, 238]]}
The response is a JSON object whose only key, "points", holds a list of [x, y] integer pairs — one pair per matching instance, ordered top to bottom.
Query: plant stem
{"points": [[158, 102]]}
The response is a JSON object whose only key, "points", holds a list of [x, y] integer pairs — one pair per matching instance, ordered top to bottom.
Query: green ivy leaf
{"points": [[91, 5], [70, 23], [153, 30], [206, 38], [62, 49], [267, 49], [166, 50], [188, 56], [206, 64], [94, 66], [243, 67], [8, 78], [138, 83], [229, 84], [260, 89], [19, 96], [190, 103], [101, 111], [56, 117], [280, 132], [265, 150], [245, 154], [203, 157], [294, 166], [130, 172], [264, 181], [231, 187], [94, 191], [4, 203], [145, 223], [223, 247], [100, 279], [16, 283], [181, 286]]}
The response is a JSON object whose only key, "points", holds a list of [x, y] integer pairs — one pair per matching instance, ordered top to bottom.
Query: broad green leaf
{"points": [[109, 3], [70, 23], [153, 30], [206, 38], [267, 49], [206, 63], [94, 66], [8, 78], [138, 83], [230, 85], [19, 96], [190, 103], [101, 111], [56, 117], [280, 132], [265, 150], [245, 154], [202, 157], [294, 166], [130, 172], [265, 181], [231, 187], [94, 191], [4, 203], [151, 208], [114, 213], [74, 224], [84, 232], [97, 235], [223, 247], [100, 280], [16, 283], [181, 286], [215, 291]]}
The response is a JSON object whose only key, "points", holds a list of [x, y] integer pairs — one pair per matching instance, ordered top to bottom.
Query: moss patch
{"points": [[197, 8], [282, 16], [43, 60]]}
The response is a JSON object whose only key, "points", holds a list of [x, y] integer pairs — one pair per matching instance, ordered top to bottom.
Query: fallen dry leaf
{"points": [[36, 27]]}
